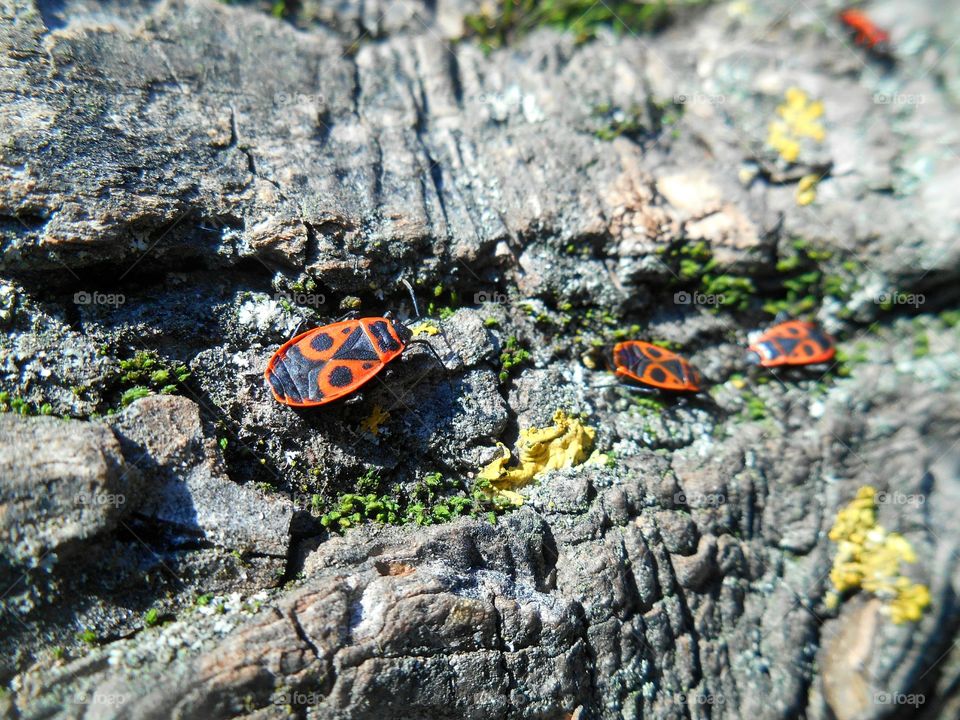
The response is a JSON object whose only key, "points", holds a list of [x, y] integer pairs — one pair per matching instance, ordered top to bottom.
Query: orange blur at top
{"points": [[867, 33]]}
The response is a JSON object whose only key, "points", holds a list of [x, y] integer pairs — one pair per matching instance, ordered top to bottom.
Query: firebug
{"points": [[866, 32], [794, 342], [332, 361], [654, 366]]}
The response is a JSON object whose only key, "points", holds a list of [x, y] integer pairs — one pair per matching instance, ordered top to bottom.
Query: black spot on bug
{"points": [[346, 331], [819, 338], [385, 340], [321, 342], [808, 349], [654, 352], [367, 366], [676, 367], [658, 375], [340, 376]]}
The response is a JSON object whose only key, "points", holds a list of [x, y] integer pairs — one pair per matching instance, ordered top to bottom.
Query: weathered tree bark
{"points": [[175, 175]]}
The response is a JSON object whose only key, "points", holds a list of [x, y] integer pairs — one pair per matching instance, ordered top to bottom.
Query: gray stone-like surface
{"points": [[196, 178], [62, 483], [186, 485]]}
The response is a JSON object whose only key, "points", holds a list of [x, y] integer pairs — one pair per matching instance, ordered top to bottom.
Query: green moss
{"points": [[506, 20], [612, 123], [803, 283], [736, 292], [443, 311], [950, 318], [490, 322], [921, 344], [513, 354], [147, 373], [134, 393], [649, 402], [14, 404], [754, 407], [369, 481], [432, 500], [151, 618], [88, 637]]}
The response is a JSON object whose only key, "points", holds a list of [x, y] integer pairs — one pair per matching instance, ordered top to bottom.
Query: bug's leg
{"points": [[348, 315], [297, 329], [432, 350], [640, 390], [354, 399]]}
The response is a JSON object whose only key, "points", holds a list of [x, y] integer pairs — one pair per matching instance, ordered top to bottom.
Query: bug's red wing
{"points": [[868, 34], [793, 343], [331, 361], [654, 366]]}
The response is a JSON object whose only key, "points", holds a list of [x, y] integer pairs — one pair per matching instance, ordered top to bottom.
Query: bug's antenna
{"points": [[416, 309]]}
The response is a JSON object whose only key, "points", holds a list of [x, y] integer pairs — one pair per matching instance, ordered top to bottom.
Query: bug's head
{"points": [[403, 332], [757, 353]]}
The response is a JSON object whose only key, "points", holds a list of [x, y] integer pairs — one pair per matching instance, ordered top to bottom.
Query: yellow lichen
{"points": [[799, 119], [807, 189], [425, 328], [378, 416], [564, 444], [870, 558]]}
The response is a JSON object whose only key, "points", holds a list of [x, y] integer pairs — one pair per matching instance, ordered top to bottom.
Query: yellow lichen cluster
{"points": [[799, 119], [807, 189], [424, 328], [377, 417], [564, 444], [870, 558]]}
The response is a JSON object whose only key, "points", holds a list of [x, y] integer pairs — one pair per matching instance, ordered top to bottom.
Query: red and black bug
{"points": [[866, 32], [793, 342], [331, 361], [654, 366]]}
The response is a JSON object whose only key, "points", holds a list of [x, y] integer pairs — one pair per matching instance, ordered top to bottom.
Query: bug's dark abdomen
{"points": [[632, 359], [289, 368]]}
